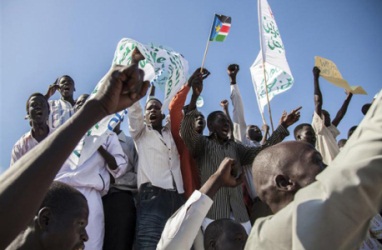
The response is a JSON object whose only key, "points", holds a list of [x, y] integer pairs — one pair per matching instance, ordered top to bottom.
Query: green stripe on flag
{"points": [[220, 38]]}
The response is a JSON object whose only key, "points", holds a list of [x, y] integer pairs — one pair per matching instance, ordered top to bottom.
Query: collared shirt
{"points": [[60, 111], [326, 142], [23, 145], [209, 154], [158, 157], [94, 172], [128, 181], [335, 211]]}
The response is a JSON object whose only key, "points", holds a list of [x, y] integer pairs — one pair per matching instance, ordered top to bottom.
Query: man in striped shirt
{"points": [[210, 150]]}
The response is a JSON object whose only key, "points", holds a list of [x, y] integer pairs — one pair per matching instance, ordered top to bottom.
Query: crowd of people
{"points": [[169, 186]]}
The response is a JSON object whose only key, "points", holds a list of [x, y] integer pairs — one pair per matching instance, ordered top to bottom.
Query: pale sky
{"points": [[44, 39]]}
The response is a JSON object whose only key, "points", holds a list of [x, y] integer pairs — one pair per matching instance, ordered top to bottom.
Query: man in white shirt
{"points": [[62, 109], [37, 113], [326, 130], [92, 179], [160, 184], [24, 186]]}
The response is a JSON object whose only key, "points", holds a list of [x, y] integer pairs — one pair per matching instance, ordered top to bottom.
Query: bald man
{"points": [[330, 210]]}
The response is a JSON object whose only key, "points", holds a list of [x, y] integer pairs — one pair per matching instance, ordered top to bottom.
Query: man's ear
{"points": [[298, 137], [283, 183], [44, 217], [211, 245]]}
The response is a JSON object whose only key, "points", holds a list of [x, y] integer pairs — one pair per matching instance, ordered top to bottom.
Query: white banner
{"points": [[170, 67], [165, 68], [278, 76]]}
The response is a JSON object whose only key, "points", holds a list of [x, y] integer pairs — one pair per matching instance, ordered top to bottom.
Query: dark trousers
{"points": [[155, 206], [120, 218]]}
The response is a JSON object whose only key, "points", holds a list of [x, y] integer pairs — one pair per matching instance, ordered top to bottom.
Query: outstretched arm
{"points": [[317, 92], [342, 111], [238, 119], [192, 139], [23, 187], [181, 229]]}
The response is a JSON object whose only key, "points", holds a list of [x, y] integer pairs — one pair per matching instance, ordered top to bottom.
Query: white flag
{"points": [[271, 57], [170, 67], [167, 68]]}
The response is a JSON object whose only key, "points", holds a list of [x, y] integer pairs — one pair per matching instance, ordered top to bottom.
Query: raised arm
{"points": [[52, 89], [317, 92], [224, 105], [176, 107], [342, 111], [176, 115], [238, 119], [192, 139], [23, 187], [343, 199], [181, 229]]}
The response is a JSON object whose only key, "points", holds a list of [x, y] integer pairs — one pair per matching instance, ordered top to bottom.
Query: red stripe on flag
{"points": [[225, 28]]}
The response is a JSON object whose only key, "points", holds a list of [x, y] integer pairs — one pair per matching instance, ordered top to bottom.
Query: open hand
{"points": [[289, 119]]}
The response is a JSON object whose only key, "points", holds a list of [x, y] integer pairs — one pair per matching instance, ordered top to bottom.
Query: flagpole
{"points": [[208, 44], [205, 53], [262, 58], [266, 92]]}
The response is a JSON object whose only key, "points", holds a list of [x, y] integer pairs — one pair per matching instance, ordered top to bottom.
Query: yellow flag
{"points": [[330, 72]]}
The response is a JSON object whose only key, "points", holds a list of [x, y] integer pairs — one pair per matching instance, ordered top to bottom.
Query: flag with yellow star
{"points": [[220, 28]]}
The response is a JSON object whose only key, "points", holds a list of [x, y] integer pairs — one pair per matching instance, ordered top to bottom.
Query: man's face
{"points": [[66, 87], [80, 102], [38, 109], [153, 113], [200, 123], [220, 125], [254, 133], [308, 135], [305, 163], [283, 169], [68, 230], [234, 237]]}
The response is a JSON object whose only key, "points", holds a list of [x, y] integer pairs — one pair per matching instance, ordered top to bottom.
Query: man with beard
{"points": [[62, 109], [37, 113], [211, 150]]}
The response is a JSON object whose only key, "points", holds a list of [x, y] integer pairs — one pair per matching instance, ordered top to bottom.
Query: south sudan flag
{"points": [[220, 28]]}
